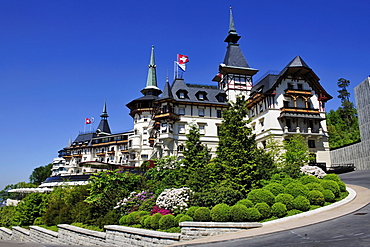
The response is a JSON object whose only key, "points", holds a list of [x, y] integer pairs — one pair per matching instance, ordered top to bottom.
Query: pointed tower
{"points": [[235, 75], [151, 81], [103, 125]]}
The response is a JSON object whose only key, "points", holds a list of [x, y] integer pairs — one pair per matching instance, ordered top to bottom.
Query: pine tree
{"points": [[239, 163]]}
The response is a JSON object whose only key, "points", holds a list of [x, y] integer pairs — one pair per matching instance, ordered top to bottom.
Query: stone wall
{"points": [[191, 230], [5, 233], [72, 235], [120, 235], [43, 236], [128, 236]]}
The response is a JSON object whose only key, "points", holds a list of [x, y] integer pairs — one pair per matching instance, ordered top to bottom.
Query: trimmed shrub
{"points": [[333, 177], [306, 179], [331, 185], [314, 186], [342, 186], [275, 188], [296, 189], [216, 195], [261, 195], [328, 195], [316, 197], [285, 199], [246, 202], [301, 203], [313, 207], [264, 209], [278, 209], [191, 211], [220, 212], [293, 212], [238, 213], [202, 214], [253, 214], [134, 217], [178, 217], [143, 218], [185, 218], [123, 220], [154, 221], [167, 221], [147, 222]]}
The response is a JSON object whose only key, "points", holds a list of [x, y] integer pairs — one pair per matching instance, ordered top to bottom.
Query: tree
{"points": [[343, 123], [296, 155], [239, 163], [40, 174], [30, 208]]}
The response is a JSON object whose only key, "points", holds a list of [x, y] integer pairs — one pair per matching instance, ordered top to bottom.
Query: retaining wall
{"points": [[120, 235]]}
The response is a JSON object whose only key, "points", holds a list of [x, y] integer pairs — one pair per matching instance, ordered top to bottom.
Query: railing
{"points": [[303, 131]]}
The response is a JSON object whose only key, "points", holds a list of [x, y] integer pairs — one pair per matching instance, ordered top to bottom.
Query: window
{"points": [[290, 86], [300, 86], [182, 95], [201, 96], [286, 104], [261, 107], [181, 111], [201, 112], [219, 114], [164, 127], [181, 128], [201, 129], [145, 130], [145, 142], [311, 143], [180, 148], [144, 156]]}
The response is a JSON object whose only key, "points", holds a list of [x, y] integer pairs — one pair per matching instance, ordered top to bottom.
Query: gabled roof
{"points": [[295, 68], [84, 137]]}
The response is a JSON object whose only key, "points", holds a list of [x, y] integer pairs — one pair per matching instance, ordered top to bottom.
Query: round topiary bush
{"points": [[333, 177], [306, 179], [331, 185], [314, 186], [342, 186], [275, 188], [296, 189], [261, 195], [328, 195], [316, 197], [285, 199], [246, 202], [301, 203], [264, 209], [278, 209], [191, 211], [220, 212], [293, 212], [238, 213], [202, 214], [253, 215], [178, 217], [185, 218], [123, 220], [142, 220], [154, 221], [167, 221], [147, 222]]}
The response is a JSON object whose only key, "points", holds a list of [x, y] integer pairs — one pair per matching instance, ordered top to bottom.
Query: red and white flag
{"points": [[181, 61], [88, 121]]}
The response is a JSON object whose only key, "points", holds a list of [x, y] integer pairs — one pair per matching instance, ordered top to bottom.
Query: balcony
{"points": [[298, 92], [296, 112], [167, 115], [306, 132], [124, 151], [111, 152], [100, 154], [77, 155], [68, 156]]}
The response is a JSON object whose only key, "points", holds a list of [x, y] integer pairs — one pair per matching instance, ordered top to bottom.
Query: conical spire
{"points": [[232, 36], [152, 75], [151, 87], [167, 93], [104, 113], [103, 125]]}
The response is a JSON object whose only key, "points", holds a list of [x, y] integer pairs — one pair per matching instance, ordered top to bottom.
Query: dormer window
{"points": [[182, 94], [201, 95], [221, 97]]}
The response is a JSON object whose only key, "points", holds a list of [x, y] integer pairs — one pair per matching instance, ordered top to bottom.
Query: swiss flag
{"points": [[181, 59], [88, 121]]}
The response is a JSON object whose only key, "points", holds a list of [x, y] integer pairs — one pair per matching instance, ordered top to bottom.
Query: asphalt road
{"points": [[349, 230]]}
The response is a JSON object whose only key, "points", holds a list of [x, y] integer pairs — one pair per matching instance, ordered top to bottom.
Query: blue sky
{"points": [[59, 59]]}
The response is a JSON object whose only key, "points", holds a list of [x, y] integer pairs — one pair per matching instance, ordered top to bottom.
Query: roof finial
{"points": [[231, 25], [232, 36], [152, 75], [104, 114]]}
